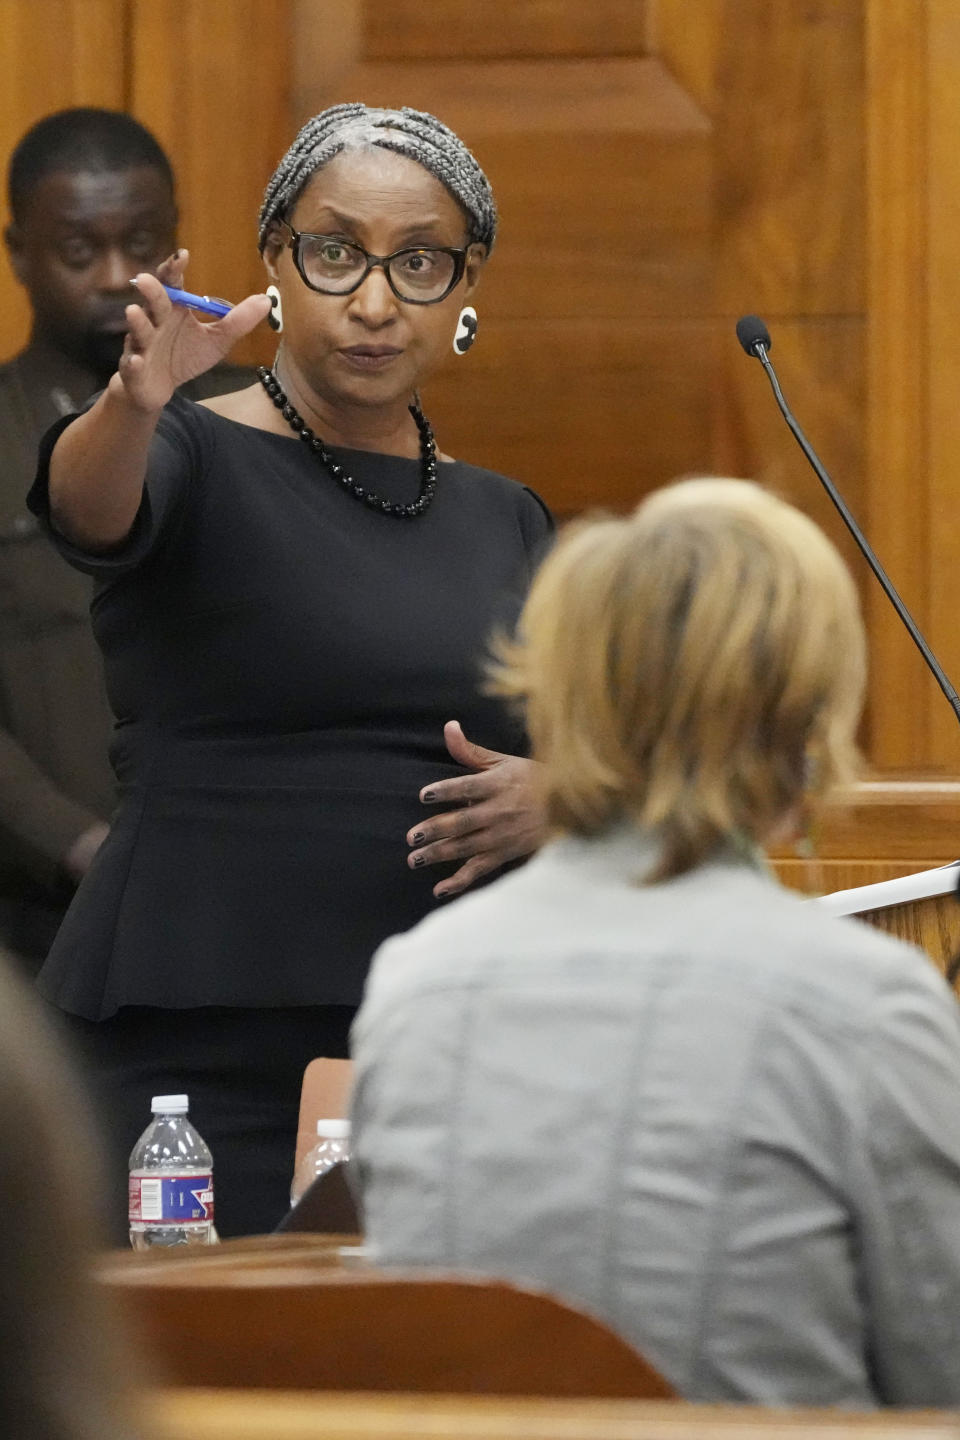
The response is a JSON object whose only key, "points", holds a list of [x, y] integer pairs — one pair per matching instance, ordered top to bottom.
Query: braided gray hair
{"points": [[413, 133]]}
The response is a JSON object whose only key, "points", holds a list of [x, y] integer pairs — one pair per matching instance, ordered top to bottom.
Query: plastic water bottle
{"points": [[332, 1148], [171, 1180]]}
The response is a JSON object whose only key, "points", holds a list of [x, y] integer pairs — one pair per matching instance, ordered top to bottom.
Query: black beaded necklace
{"points": [[428, 455]]}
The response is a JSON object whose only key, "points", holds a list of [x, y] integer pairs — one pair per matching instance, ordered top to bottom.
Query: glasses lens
{"points": [[331, 265], [422, 274]]}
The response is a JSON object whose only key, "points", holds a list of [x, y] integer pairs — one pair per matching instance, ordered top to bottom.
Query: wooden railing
{"points": [[880, 830], [245, 1415]]}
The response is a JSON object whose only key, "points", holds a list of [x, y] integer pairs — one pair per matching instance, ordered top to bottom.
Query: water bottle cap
{"points": [[170, 1104], [333, 1129]]}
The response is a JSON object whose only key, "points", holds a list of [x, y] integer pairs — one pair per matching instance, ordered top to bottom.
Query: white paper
{"points": [[941, 881]]}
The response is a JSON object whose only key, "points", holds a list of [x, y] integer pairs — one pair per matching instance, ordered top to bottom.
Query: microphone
{"points": [[753, 335], [755, 339]]}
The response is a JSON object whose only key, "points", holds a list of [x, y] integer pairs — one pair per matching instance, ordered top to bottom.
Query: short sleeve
{"points": [[177, 458], [537, 525]]}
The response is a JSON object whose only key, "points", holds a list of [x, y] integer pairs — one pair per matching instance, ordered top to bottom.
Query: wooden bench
{"points": [[296, 1317], [239, 1415]]}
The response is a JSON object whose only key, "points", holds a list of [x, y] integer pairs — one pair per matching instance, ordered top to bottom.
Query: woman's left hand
{"points": [[501, 818]]}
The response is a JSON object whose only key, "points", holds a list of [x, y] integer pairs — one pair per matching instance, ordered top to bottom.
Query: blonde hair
{"points": [[693, 667], [60, 1360]]}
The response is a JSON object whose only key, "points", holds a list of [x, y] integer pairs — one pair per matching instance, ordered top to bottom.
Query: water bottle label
{"points": [[166, 1198]]}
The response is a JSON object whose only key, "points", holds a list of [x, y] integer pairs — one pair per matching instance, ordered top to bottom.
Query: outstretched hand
{"points": [[166, 345], [500, 817]]}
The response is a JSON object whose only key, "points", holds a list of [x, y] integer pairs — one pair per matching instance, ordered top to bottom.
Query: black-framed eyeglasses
{"points": [[417, 275]]}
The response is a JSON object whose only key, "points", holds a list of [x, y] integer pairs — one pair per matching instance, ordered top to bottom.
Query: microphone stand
{"points": [[759, 349]]}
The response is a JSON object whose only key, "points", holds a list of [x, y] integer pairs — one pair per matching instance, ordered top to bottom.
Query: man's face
{"points": [[81, 238]]}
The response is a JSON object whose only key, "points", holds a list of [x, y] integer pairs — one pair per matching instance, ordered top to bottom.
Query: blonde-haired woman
{"points": [[638, 1071]]}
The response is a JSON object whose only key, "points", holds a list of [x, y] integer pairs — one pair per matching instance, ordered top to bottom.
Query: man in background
{"points": [[92, 202]]}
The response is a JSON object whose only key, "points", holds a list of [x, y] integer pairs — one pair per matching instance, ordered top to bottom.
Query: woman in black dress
{"points": [[293, 631]]}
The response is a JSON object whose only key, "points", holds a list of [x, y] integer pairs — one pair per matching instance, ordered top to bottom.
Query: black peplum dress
{"points": [[280, 660]]}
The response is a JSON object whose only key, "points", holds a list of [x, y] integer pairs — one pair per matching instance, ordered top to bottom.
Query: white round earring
{"points": [[275, 317], [466, 330]]}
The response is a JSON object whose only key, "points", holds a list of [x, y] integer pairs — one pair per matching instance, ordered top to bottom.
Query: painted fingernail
{"points": [[428, 795], [417, 838], [418, 860]]}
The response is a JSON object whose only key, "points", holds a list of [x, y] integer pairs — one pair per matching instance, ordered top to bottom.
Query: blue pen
{"points": [[205, 303]]}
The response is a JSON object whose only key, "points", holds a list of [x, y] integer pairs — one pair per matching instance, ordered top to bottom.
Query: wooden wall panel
{"points": [[448, 29], [687, 35], [326, 41], [54, 54], [782, 81], [212, 82], [782, 84], [560, 98], [789, 175], [913, 211], [570, 255], [576, 407], [897, 448], [941, 551], [878, 821]]}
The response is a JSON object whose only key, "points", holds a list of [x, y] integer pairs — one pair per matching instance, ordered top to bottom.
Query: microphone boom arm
{"points": [[760, 351]]}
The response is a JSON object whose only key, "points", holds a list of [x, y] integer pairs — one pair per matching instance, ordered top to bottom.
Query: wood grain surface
{"points": [[451, 30], [54, 54], [210, 80], [662, 166], [880, 830], [324, 1327], [233, 1415]]}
